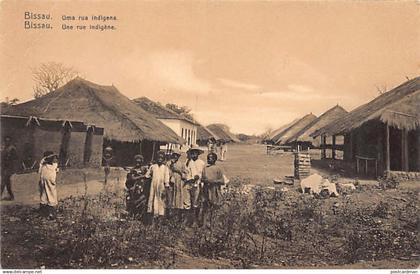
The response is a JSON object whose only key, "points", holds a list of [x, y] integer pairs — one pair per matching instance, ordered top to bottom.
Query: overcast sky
{"points": [[251, 65]]}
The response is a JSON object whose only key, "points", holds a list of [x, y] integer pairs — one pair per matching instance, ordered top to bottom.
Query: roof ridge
{"points": [[93, 93]]}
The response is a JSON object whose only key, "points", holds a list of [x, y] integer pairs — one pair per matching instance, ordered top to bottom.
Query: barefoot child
{"points": [[159, 173], [213, 178], [47, 184]]}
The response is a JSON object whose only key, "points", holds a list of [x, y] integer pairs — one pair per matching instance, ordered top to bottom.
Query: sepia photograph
{"points": [[210, 135]]}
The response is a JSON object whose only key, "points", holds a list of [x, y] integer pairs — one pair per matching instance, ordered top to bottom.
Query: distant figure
{"points": [[209, 145], [217, 146], [223, 151], [107, 162], [8, 166], [48, 169], [159, 173], [213, 179], [138, 187]]}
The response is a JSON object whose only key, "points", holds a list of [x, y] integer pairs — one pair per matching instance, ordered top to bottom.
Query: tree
{"points": [[50, 76], [185, 111], [266, 133]]}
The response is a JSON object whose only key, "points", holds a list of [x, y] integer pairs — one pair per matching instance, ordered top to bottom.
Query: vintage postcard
{"points": [[210, 135]]}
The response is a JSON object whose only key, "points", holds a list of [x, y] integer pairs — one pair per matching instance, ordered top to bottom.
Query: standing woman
{"points": [[159, 173], [47, 184], [137, 188], [179, 199]]}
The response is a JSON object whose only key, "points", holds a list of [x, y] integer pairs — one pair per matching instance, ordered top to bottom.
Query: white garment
{"points": [[195, 168], [48, 171], [160, 179], [47, 184]]}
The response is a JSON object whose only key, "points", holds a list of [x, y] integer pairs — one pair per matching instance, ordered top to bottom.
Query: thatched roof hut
{"points": [[103, 106], [398, 108], [160, 111], [293, 129], [223, 132], [276, 132], [384, 133], [204, 134], [303, 135]]}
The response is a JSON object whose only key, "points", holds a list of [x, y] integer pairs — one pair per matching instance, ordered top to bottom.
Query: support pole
{"points": [[333, 146], [351, 146], [418, 149], [153, 150], [387, 150], [323, 154], [405, 165]]}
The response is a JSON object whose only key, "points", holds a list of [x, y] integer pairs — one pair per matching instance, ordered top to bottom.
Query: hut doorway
{"points": [[395, 136], [413, 143], [404, 150], [123, 152]]}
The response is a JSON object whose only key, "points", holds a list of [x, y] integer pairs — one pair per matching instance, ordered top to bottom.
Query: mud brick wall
{"points": [[46, 140], [97, 148], [76, 149]]}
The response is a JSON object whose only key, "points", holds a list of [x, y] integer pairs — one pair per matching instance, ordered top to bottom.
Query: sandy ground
{"points": [[246, 161], [25, 186]]}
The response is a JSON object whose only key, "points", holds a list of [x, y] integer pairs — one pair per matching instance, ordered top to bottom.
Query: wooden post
{"points": [[141, 147], [333, 147], [404, 147], [418, 149], [153, 150], [387, 150], [323, 154], [357, 165]]}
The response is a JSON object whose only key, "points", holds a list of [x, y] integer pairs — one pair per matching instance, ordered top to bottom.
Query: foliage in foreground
{"points": [[267, 227]]}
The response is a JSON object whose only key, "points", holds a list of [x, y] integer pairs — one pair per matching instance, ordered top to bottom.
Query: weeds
{"points": [[265, 227]]}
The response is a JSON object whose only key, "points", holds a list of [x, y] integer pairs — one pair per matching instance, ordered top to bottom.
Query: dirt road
{"points": [[25, 186]]}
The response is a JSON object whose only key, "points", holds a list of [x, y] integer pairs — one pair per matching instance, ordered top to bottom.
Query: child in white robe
{"points": [[48, 169]]}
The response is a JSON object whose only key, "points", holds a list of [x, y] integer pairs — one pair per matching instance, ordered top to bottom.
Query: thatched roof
{"points": [[103, 106], [398, 107], [159, 111], [327, 117], [293, 129], [222, 131], [274, 133], [204, 134]]}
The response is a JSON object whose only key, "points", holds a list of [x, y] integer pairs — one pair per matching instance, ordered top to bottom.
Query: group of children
{"points": [[187, 191]]}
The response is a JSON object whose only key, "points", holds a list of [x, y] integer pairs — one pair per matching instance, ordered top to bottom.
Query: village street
{"points": [[246, 161], [249, 162]]}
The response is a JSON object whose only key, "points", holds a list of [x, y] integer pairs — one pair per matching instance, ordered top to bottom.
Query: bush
{"points": [[266, 227]]}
